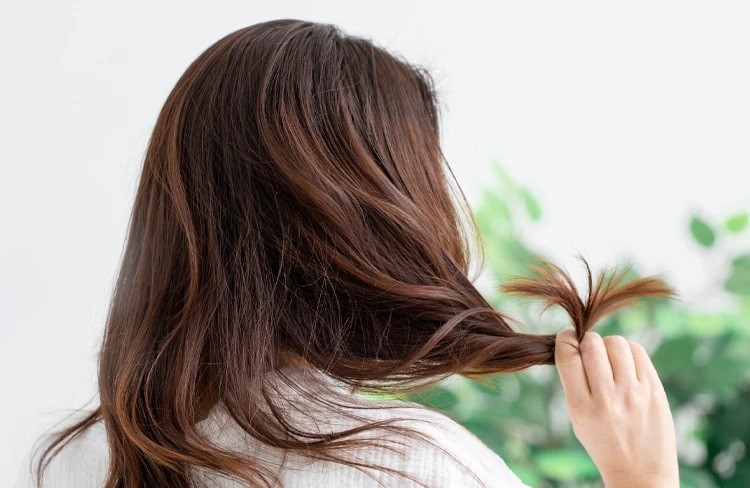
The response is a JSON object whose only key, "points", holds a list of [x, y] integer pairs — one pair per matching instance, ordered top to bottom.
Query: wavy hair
{"points": [[294, 205]]}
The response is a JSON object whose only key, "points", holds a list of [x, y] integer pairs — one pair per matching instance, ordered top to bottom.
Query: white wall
{"points": [[623, 116]]}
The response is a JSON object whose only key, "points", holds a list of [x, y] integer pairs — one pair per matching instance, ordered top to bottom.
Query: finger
{"points": [[621, 359], [596, 364], [570, 365], [644, 367]]}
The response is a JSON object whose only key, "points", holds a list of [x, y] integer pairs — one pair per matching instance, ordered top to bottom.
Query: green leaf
{"points": [[503, 178], [531, 204], [493, 215], [737, 222], [702, 232], [741, 261], [738, 281], [565, 464], [526, 474], [695, 478]]}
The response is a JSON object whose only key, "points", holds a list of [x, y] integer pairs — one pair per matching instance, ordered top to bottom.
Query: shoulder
{"points": [[403, 437], [446, 454], [83, 462]]}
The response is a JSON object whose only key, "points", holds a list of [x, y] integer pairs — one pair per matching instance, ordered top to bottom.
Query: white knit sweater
{"points": [[453, 458]]}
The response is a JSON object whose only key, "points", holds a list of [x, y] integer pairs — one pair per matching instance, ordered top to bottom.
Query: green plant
{"points": [[703, 359]]}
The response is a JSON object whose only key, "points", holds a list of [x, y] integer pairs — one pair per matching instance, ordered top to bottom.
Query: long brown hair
{"points": [[294, 202]]}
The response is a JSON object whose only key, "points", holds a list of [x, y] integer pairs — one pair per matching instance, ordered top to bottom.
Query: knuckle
{"points": [[566, 334], [592, 335], [565, 339], [590, 339], [613, 340], [633, 344], [637, 347], [635, 400], [604, 403], [614, 406]]}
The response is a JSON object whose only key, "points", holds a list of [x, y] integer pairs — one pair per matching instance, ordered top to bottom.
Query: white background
{"points": [[624, 117]]}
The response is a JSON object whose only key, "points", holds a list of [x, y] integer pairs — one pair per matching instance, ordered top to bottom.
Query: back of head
{"points": [[295, 206]]}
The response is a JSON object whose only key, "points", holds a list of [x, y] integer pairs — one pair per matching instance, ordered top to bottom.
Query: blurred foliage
{"points": [[702, 231], [703, 359]]}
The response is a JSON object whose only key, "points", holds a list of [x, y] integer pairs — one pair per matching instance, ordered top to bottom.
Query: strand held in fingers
{"points": [[609, 292]]}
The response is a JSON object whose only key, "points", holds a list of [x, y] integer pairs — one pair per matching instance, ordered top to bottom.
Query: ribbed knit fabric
{"points": [[452, 458]]}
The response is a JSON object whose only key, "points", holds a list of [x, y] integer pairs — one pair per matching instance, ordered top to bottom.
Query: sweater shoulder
{"points": [[430, 447], [447, 454]]}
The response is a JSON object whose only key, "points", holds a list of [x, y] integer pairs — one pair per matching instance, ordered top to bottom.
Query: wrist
{"points": [[641, 480]]}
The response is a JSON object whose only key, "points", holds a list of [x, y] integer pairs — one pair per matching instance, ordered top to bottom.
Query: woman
{"points": [[294, 238]]}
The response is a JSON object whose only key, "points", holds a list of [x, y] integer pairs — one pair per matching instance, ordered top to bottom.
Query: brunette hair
{"points": [[294, 203]]}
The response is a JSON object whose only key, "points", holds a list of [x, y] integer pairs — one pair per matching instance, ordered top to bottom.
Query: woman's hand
{"points": [[619, 409]]}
